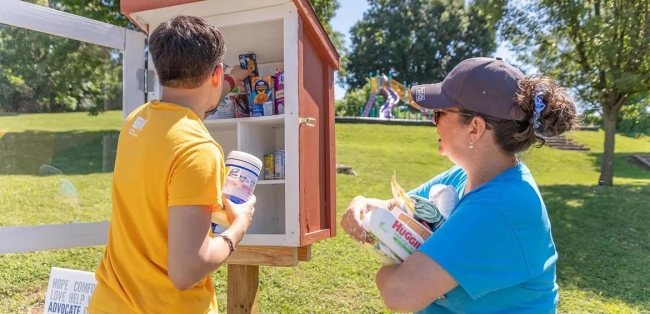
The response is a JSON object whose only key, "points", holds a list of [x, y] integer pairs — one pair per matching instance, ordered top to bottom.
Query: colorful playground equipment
{"points": [[396, 96]]}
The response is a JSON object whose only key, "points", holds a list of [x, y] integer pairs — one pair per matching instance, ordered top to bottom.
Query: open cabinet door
{"points": [[316, 143]]}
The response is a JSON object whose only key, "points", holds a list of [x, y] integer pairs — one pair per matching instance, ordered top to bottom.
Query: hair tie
{"points": [[539, 106]]}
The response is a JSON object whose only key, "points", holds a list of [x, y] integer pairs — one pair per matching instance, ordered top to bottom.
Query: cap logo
{"points": [[419, 94]]}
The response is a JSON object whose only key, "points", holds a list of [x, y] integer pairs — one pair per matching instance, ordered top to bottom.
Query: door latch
{"points": [[308, 121]]}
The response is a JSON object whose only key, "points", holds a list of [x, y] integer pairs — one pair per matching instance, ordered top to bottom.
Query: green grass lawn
{"points": [[601, 233]]}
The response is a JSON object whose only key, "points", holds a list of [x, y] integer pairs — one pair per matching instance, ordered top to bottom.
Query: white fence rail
{"points": [[14, 239]]}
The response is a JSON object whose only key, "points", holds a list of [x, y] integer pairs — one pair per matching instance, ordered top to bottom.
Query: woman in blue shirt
{"points": [[495, 253]]}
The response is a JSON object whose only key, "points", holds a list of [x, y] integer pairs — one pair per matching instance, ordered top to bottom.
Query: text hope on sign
{"points": [[69, 291]]}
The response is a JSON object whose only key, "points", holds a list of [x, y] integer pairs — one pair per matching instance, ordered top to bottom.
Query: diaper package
{"points": [[399, 232]]}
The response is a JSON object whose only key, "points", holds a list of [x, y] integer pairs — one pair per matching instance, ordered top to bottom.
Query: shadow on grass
{"points": [[70, 152], [623, 168], [603, 239]]}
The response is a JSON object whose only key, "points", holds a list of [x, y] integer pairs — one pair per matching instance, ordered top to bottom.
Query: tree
{"points": [[326, 10], [420, 40], [599, 48], [44, 73], [634, 118]]}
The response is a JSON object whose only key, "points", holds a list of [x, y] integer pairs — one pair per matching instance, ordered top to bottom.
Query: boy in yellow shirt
{"points": [[168, 178]]}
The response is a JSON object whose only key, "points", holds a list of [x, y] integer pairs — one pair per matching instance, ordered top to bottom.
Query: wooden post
{"points": [[244, 273], [243, 283]]}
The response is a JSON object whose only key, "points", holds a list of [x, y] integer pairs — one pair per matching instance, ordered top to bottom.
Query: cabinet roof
{"points": [[311, 23]]}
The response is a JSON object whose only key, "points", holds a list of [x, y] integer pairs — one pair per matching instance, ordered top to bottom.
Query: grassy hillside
{"points": [[601, 232]]}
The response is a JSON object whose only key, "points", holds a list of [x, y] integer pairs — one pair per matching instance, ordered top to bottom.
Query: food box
{"points": [[262, 94]]}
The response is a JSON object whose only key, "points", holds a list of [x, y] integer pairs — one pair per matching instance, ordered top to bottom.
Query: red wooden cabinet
{"points": [[301, 208]]}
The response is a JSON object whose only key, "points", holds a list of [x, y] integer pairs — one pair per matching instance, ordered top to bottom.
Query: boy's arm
{"points": [[235, 78], [227, 86], [194, 191], [193, 255]]}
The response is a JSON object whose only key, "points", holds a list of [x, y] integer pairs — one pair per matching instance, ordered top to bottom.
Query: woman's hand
{"points": [[351, 220]]}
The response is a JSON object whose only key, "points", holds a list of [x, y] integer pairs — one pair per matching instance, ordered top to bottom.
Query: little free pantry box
{"points": [[300, 209]]}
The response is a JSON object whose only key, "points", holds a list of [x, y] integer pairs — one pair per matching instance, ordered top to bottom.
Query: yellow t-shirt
{"points": [[165, 157]]}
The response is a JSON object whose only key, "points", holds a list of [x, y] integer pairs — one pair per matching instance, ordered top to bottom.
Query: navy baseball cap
{"points": [[485, 85]]}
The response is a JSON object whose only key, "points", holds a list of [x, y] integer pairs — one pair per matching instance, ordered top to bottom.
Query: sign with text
{"points": [[69, 291]]}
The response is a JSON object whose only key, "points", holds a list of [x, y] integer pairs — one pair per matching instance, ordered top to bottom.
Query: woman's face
{"points": [[454, 135]]}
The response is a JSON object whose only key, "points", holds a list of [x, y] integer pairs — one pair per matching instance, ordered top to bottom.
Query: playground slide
{"points": [[399, 88], [395, 95], [392, 100], [369, 104]]}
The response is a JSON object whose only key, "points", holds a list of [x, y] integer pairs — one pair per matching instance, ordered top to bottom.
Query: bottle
{"points": [[242, 172]]}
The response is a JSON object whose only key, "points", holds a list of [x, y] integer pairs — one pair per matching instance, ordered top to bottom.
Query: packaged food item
{"points": [[249, 61], [262, 87], [279, 90], [226, 108], [242, 110], [279, 164], [269, 167]]}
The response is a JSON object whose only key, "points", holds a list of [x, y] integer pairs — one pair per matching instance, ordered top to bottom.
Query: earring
{"points": [[471, 146]]}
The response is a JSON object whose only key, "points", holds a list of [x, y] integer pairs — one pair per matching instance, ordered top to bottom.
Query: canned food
{"points": [[279, 164], [269, 167]]}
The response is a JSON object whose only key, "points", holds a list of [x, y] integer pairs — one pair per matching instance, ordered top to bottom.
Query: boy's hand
{"points": [[238, 74], [241, 214]]}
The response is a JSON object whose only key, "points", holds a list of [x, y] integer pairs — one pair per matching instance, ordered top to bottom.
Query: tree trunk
{"points": [[610, 120]]}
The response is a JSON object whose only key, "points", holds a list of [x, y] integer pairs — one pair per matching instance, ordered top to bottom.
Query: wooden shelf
{"points": [[220, 124], [224, 124], [262, 181]]}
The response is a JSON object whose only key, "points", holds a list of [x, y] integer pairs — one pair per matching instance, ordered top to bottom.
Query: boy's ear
{"points": [[218, 75]]}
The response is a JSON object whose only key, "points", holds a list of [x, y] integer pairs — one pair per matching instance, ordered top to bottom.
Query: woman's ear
{"points": [[217, 77], [477, 129]]}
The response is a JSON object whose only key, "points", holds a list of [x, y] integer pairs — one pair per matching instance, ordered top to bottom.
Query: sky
{"points": [[351, 11]]}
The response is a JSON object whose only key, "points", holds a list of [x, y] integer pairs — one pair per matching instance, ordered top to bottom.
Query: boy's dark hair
{"points": [[185, 51]]}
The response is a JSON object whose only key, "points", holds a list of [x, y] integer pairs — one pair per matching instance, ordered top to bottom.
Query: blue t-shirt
{"points": [[497, 244]]}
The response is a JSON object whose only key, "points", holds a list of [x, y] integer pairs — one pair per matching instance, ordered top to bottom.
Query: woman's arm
{"points": [[414, 284], [407, 287]]}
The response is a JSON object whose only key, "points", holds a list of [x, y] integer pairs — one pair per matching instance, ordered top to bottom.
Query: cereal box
{"points": [[279, 90], [262, 95]]}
